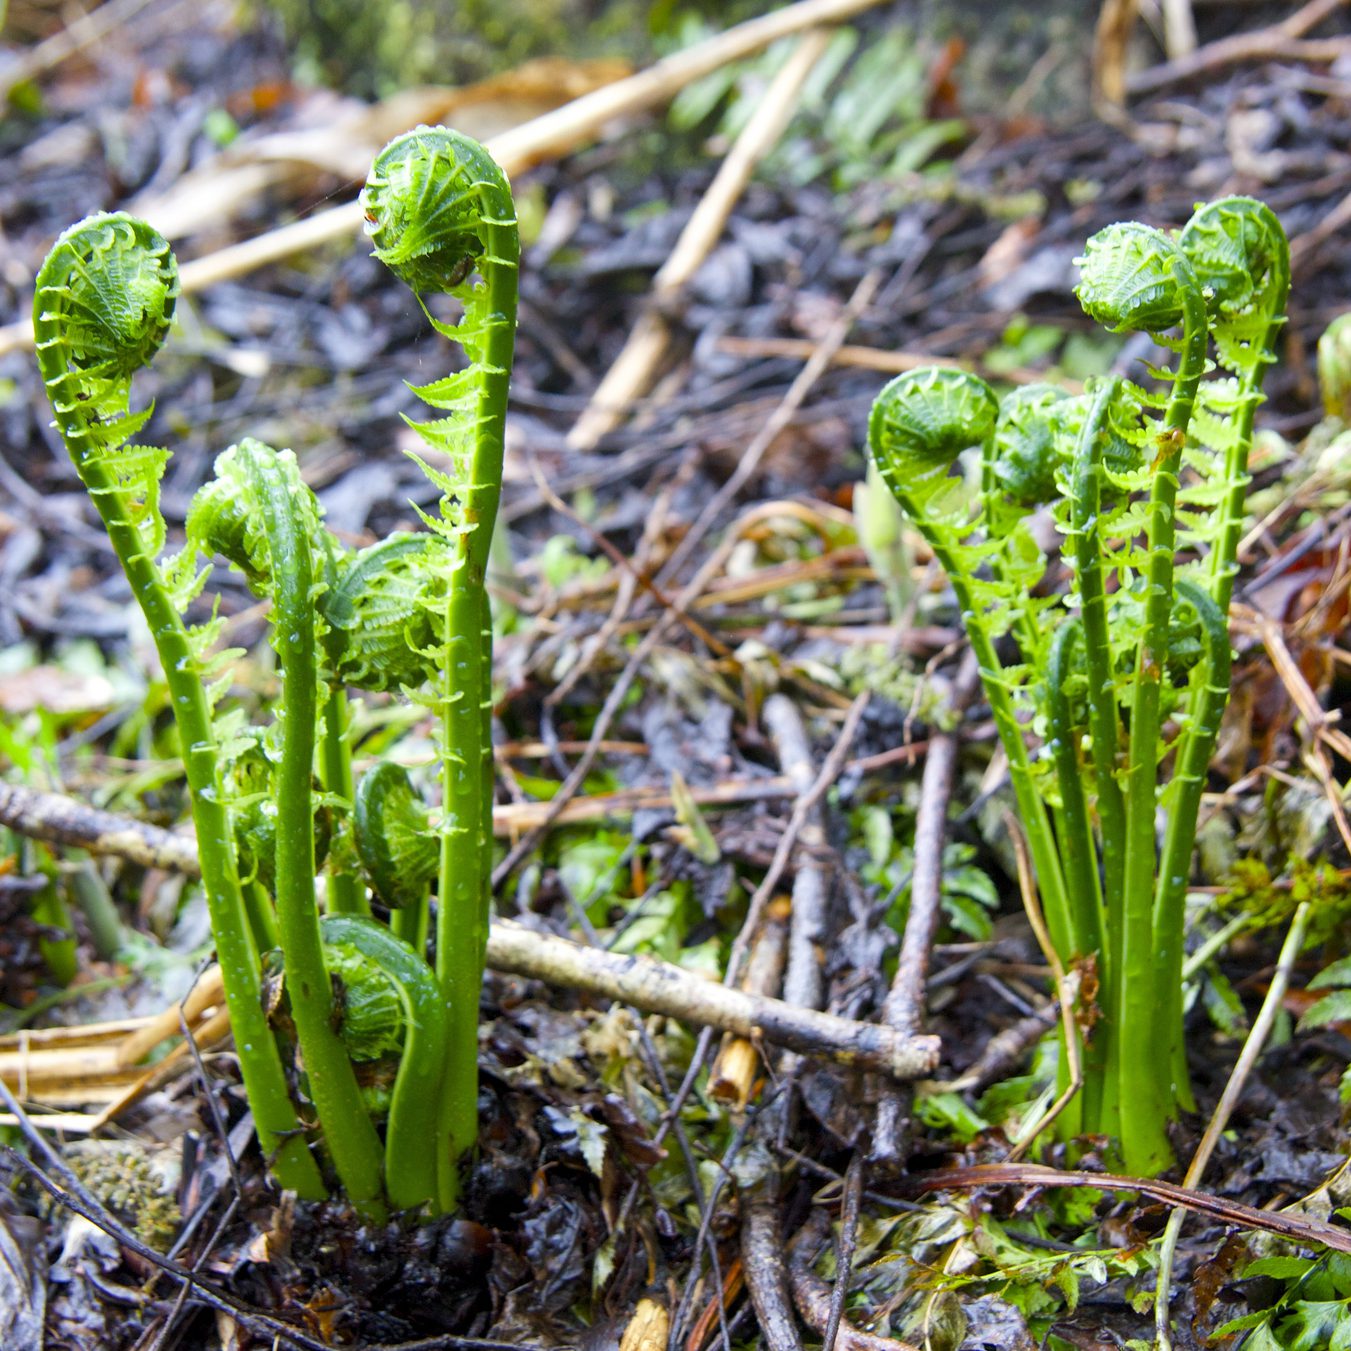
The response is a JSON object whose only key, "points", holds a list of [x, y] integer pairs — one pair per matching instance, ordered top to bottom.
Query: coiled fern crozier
{"points": [[1146, 485], [409, 615]]}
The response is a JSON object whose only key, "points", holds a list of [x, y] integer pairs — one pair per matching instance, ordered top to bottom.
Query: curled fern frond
{"points": [[428, 193], [1240, 255], [1131, 279], [103, 307], [922, 420], [1028, 443], [225, 516], [385, 608], [249, 782], [398, 849], [389, 966], [368, 1013]]}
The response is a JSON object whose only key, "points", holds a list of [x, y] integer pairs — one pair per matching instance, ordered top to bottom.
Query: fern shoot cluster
{"points": [[1096, 688], [277, 804]]}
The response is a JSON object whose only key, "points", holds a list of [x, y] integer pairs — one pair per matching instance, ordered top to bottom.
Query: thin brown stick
{"points": [[1279, 42], [633, 370], [778, 421], [802, 810], [803, 982], [903, 1008], [850, 1205], [1296, 1228], [762, 1258]]}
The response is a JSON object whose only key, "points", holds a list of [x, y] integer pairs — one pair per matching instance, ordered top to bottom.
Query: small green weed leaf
{"points": [[698, 838], [1339, 973], [1334, 1008], [949, 1111], [591, 1140], [1279, 1268], [1315, 1323]]}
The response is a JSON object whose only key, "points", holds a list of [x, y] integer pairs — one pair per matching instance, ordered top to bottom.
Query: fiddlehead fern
{"points": [[439, 213], [1240, 255], [1134, 277], [105, 297], [919, 424], [1026, 446], [1166, 462], [279, 547], [387, 609], [249, 781], [394, 836], [411, 1164]]}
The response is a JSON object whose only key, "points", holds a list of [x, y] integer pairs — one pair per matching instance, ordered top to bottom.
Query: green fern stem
{"points": [[439, 209], [1239, 252], [93, 285], [1085, 549], [1189, 777], [1074, 835], [346, 895], [461, 934], [1142, 1071], [348, 1133], [410, 1166]]}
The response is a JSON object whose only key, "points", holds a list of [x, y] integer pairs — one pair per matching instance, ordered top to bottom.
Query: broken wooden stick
{"points": [[633, 370], [58, 819], [649, 985]]}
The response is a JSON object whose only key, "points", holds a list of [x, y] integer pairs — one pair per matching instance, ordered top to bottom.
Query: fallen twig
{"points": [[1282, 41], [632, 371], [58, 819], [659, 987], [903, 1008], [1296, 1228], [762, 1258]]}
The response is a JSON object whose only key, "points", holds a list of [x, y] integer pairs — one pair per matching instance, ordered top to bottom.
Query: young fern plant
{"points": [[439, 211], [104, 301], [410, 614], [1130, 668]]}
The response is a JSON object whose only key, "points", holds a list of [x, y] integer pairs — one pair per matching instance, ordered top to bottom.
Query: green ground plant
{"points": [[408, 615], [1098, 691]]}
